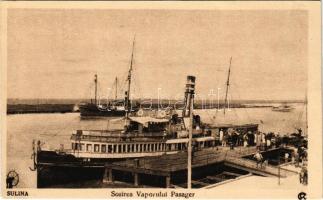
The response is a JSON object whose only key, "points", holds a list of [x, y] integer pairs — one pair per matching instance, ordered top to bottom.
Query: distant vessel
{"points": [[113, 108], [283, 108]]}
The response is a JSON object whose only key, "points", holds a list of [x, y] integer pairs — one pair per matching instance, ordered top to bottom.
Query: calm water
{"points": [[55, 129]]}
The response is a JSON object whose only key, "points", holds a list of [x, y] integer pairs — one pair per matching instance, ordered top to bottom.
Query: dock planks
{"points": [[175, 162], [167, 164]]}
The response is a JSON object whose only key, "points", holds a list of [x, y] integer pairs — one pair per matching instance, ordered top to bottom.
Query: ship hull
{"points": [[92, 110], [56, 170], [59, 176]]}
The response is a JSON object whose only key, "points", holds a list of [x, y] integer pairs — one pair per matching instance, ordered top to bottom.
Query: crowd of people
{"points": [[263, 141]]}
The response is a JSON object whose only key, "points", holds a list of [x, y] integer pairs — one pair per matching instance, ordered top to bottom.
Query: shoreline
{"points": [[72, 108]]}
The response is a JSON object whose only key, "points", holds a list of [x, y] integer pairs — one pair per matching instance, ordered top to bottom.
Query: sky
{"points": [[55, 53]]}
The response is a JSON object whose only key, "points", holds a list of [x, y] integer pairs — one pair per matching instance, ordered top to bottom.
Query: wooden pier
{"points": [[252, 167], [166, 170]]}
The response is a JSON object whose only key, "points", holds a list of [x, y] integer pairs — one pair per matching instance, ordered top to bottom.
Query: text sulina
{"points": [[17, 193]]}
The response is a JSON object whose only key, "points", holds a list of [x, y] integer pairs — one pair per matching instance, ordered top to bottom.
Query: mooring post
{"points": [[107, 176], [110, 179], [136, 179], [167, 181]]}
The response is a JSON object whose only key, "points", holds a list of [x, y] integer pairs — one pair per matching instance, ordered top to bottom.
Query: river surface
{"points": [[55, 129]]}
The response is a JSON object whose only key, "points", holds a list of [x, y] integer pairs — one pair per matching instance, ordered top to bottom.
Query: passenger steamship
{"points": [[140, 137]]}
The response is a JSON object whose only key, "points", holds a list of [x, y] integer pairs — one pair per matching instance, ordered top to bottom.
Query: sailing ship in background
{"points": [[114, 108]]}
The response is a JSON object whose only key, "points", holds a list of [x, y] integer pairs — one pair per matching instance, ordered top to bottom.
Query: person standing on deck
{"points": [[300, 131], [221, 137], [237, 138], [252, 138], [225, 139], [240, 139], [245, 140], [258, 140], [278, 140], [285, 140], [263, 141], [273, 141], [268, 143], [286, 157], [258, 158], [296, 159], [303, 176]]}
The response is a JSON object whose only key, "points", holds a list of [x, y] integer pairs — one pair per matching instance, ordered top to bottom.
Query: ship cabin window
{"points": [[140, 128], [76, 146], [89, 147], [137, 147], [145, 147], [169, 147], [96, 148], [103, 148], [109, 148], [114, 148], [119, 148], [123, 148], [128, 148], [132, 148], [140, 148]]}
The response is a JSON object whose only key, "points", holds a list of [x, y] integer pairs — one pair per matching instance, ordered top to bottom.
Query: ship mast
{"points": [[96, 88], [227, 88], [116, 91], [127, 102]]}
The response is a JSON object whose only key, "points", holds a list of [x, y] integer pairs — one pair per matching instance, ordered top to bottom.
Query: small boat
{"points": [[283, 108]]}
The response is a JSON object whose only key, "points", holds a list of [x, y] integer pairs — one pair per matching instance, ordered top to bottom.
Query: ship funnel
{"points": [[189, 95]]}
